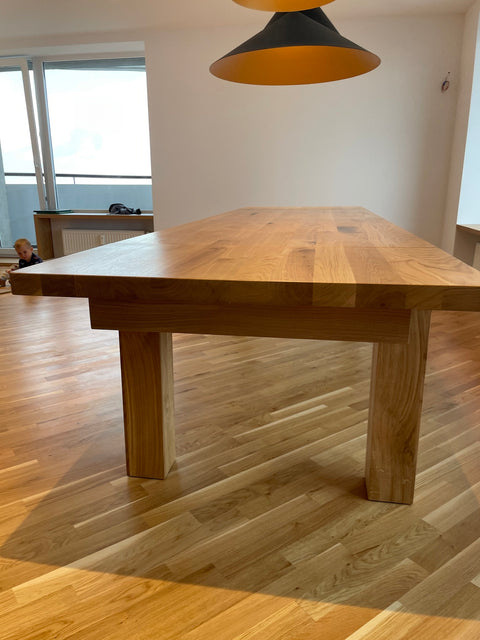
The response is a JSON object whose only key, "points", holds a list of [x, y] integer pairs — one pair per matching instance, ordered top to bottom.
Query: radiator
{"points": [[80, 239]]}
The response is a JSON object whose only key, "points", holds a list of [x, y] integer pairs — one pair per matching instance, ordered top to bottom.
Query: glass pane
{"points": [[99, 127], [18, 189]]}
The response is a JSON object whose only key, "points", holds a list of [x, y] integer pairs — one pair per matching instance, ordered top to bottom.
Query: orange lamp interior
{"points": [[282, 5], [295, 65]]}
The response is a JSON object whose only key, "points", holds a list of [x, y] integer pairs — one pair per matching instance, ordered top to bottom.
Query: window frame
{"points": [[22, 62], [38, 64], [38, 114]]}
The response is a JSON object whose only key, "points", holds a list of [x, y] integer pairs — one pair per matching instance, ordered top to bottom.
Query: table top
{"points": [[322, 256]]}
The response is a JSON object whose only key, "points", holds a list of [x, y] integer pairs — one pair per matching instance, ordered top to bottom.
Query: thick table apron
{"points": [[398, 371]]}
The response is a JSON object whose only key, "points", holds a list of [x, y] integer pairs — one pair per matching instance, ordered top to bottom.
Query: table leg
{"points": [[147, 384], [396, 395]]}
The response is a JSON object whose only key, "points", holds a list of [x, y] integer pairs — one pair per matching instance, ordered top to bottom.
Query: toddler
{"points": [[24, 250]]}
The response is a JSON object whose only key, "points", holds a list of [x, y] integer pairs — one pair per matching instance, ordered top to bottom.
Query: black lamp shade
{"points": [[282, 5], [300, 47]]}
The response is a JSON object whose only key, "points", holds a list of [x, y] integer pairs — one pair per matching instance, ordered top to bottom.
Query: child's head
{"points": [[24, 248]]}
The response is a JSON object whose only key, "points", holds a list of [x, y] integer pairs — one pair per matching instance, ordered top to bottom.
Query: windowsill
{"points": [[470, 228]]}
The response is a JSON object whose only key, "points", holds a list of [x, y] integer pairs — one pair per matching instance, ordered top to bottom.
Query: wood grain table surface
{"points": [[340, 257]]}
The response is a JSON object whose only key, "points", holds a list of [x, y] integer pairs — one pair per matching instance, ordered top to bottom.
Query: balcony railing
{"points": [[76, 176], [79, 192]]}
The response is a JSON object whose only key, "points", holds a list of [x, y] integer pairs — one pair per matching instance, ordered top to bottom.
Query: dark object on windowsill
{"points": [[119, 209], [53, 211]]}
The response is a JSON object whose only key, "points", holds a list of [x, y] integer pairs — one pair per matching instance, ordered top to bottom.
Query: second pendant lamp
{"points": [[295, 47]]}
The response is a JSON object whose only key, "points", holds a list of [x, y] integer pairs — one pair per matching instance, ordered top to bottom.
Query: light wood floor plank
{"points": [[262, 530]]}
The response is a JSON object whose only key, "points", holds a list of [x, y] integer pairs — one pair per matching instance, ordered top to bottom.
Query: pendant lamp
{"points": [[282, 5], [295, 47]]}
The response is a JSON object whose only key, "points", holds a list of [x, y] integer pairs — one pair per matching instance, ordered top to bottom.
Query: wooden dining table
{"points": [[323, 273]]}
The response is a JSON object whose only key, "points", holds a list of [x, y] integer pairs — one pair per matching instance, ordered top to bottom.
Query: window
{"points": [[99, 131], [95, 148], [21, 179]]}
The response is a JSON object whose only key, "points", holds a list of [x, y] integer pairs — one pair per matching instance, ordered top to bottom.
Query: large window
{"points": [[92, 118], [99, 131], [21, 179]]}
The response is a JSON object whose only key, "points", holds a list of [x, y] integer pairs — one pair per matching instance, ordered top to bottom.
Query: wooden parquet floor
{"points": [[262, 530]]}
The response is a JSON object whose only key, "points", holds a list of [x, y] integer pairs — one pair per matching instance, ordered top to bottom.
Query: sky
{"points": [[98, 120]]}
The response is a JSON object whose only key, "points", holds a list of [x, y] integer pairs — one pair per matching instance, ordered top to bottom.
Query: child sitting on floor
{"points": [[24, 250]]}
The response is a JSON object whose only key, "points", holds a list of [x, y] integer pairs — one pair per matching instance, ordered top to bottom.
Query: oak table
{"points": [[316, 273]]}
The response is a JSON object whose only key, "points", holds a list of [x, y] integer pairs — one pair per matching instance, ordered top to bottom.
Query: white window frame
{"points": [[22, 63], [38, 63], [43, 153]]}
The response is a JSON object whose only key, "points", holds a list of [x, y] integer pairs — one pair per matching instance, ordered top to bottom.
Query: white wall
{"points": [[381, 140], [458, 157]]}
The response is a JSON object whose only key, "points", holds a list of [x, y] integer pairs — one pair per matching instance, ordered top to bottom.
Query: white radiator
{"points": [[80, 239]]}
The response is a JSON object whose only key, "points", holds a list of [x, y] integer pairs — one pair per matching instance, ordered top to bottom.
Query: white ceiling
{"points": [[36, 18]]}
